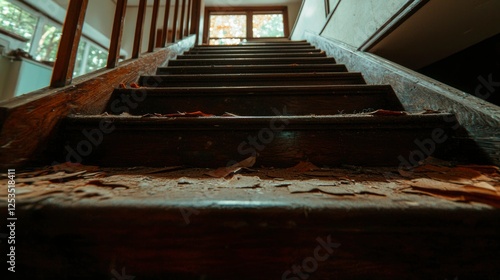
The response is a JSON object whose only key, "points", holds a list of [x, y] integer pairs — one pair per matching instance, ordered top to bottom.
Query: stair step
{"points": [[277, 42], [258, 44], [248, 47], [260, 50], [250, 55], [252, 61], [245, 69], [205, 80], [258, 101], [279, 140]]}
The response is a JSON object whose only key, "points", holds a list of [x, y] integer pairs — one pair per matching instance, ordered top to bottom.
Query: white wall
{"points": [[100, 15], [312, 18], [131, 20], [355, 21], [437, 30]]}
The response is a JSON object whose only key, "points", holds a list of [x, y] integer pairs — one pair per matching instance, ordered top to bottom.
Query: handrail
{"points": [[75, 16], [152, 31], [116, 36], [62, 74]]}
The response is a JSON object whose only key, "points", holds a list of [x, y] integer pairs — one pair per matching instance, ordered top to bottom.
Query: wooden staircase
{"points": [[287, 102]]}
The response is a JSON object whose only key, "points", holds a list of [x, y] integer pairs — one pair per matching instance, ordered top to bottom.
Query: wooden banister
{"points": [[183, 14], [176, 17], [166, 19], [195, 19], [154, 20], [183, 25], [188, 25], [138, 29], [116, 36], [62, 74]]}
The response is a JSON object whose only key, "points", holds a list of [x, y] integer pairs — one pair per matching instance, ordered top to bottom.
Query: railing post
{"points": [[183, 14], [176, 16], [195, 19], [154, 20], [188, 24], [116, 36], [164, 38], [68, 46], [136, 51]]}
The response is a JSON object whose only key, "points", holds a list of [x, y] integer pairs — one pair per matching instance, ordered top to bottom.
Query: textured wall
{"points": [[353, 21]]}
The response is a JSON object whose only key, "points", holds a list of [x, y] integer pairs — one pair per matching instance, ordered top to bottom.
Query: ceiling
{"points": [[440, 29]]}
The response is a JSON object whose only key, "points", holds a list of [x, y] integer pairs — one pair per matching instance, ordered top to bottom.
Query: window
{"points": [[17, 21], [225, 26], [268, 26], [227, 29], [49, 43], [97, 59]]}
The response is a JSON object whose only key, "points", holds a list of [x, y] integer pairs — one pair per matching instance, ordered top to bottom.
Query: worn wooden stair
{"points": [[292, 104], [173, 222]]}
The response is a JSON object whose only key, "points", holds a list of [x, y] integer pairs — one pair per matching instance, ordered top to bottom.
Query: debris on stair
{"points": [[132, 85], [387, 113], [195, 114], [227, 114], [302, 167], [223, 172], [244, 182], [473, 183], [333, 188]]}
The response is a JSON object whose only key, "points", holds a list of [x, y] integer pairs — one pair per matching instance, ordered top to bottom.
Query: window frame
{"points": [[248, 11], [44, 19]]}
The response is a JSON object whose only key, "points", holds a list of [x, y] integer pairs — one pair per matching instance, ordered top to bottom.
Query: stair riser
{"points": [[262, 55], [262, 61], [173, 70], [252, 80], [260, 104], [217, 148], [166, 240]]}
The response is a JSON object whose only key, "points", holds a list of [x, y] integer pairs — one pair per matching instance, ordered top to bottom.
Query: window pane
{"points": [[16, 20], [268, 25], [228, 26], [223, 41], [49, 43], [79, 58], [97, 59]]}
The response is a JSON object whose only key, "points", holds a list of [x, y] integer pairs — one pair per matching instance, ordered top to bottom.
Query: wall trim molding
{"points": [[330, 16]]}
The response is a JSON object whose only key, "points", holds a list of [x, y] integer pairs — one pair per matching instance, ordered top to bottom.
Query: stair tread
{"points": [[263, 44], [263, 50], [251, 55], [252, 61], [274, 68], [252, 78], [282, 90], [256, 100], [344, 119], [281, 140], [186, 223]]}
